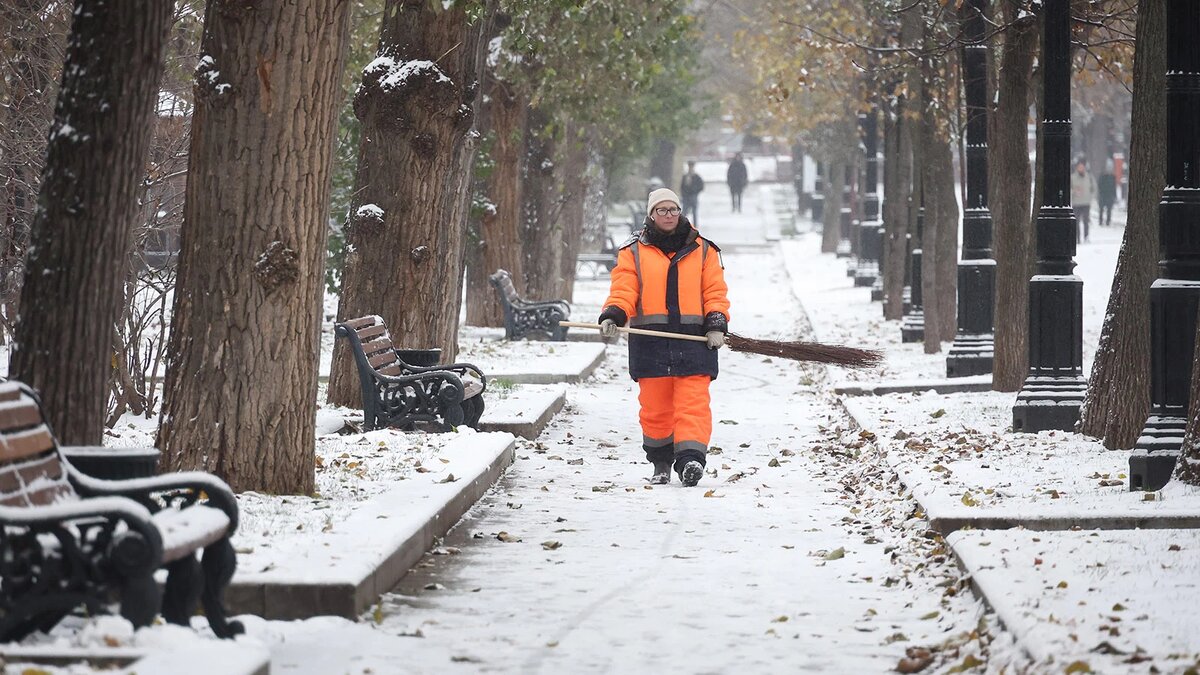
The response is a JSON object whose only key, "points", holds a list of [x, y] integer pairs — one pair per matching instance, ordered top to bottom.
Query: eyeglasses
{"points": [[668, 210]]}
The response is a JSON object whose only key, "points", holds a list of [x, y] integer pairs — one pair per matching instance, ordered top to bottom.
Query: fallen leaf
{"points": [[937, 413], [773, 462], [448, 479], [713, 493], [507, 538], [551, 545], [836, 554], [915, 660], [1078, 667]]}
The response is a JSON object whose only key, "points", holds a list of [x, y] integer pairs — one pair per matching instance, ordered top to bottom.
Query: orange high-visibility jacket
{"points": [[675, 293]]}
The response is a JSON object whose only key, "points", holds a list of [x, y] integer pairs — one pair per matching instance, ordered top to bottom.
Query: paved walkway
{"points": [[784, 561]]}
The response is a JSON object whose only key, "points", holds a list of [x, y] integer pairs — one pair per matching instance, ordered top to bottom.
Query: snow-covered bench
{"points": [[605, 260], [523, 318], [398, 393], [69, 540]]}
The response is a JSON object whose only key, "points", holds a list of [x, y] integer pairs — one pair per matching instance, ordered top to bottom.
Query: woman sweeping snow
{"points": [[669, 278]]}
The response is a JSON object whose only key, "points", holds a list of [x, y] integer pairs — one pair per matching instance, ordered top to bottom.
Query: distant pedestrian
{"points": [[737, 178], [689, 189], [1083, 191], [1106, 193], [669, 278]]}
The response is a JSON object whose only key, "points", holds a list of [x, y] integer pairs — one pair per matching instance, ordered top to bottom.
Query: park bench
{"points": [[605, 260], [523, 318], [404, 387], [69, 540]]}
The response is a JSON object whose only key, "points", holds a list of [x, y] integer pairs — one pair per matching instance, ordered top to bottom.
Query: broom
{"points": [[838, 355]]}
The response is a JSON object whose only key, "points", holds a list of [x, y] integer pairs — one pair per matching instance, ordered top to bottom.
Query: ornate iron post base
{"points": [[843, 247], [867, 270], [877, 284], [1173, 296], [912, 326], [1172, 341], [972, 351], [1053, 392]]}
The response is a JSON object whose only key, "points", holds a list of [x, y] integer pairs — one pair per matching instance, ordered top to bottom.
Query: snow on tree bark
{"points": [[417, 104], [80, 236], [240, 393]]}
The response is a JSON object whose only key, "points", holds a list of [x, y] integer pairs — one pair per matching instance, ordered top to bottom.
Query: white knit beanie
{"points": [[661, 195]]}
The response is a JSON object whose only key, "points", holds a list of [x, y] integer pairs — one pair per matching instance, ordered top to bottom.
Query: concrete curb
{"points": [[554, 378], [950, 386], [528, 429], [289, 600], [231, 658]]}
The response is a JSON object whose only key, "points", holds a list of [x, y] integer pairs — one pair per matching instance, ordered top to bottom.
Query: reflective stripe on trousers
{"points": [[677, 408]]}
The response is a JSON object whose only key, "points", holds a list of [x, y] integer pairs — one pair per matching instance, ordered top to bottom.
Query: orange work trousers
{"points": [[675, 416]]}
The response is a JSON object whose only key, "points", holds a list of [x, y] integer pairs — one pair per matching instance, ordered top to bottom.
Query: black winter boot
{"points": [[662, 472], [691, 473]]}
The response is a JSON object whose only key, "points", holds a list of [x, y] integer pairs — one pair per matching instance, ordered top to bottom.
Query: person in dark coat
{"points": [[737, 178], [689, 189], [1106, 193]]}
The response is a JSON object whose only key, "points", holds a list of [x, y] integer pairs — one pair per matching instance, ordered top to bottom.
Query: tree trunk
{"points": [[33, 36], [662, 164], [573, 182], [899, 183], [1009, 183], [946, 213], [831, 217], [408, 219], [541, 230], [80, 237], [500, 241], [931, 266], [241, 388], [1118, 395]]}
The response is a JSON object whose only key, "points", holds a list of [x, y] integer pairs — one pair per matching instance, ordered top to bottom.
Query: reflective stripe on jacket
{"points": [[672, 293]]}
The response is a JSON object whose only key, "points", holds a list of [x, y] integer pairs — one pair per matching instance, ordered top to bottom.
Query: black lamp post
{"points": [[818, 197], [868, 246], [846, 248], [1174, 295], [912, 326], [971, 353], [1053, 391]]}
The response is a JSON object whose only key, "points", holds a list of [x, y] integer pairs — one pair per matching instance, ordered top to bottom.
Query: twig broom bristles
{"points": [[837, 355]]}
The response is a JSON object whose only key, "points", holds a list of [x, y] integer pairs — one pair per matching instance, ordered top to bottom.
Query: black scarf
{"points": [[669, 242]]}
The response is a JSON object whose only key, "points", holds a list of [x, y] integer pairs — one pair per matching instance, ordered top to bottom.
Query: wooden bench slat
{"points": [[362, 321], [365, 335], [373, 347], [383, 359], [391, 371], [471, 388], [10, 391], [19, 414], [21, 444], [9, 483], [52, 493]]}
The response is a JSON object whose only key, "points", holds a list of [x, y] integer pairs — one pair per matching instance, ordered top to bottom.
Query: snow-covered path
{"points": [[574, 564]]}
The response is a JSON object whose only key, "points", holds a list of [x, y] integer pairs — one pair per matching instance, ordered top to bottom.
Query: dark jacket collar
{"points": [[683, 235]]}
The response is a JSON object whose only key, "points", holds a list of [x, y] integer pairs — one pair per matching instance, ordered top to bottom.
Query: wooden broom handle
{"points": [[637, 331]]}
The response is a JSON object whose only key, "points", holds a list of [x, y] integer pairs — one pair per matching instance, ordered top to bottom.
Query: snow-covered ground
{"points": [[801, 550]]}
